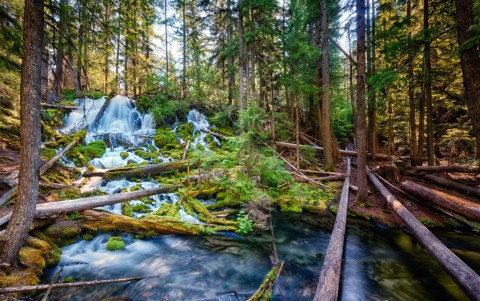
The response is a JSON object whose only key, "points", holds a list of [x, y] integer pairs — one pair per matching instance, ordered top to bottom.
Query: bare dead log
{"points": [[52, 106], [99, 115], [320, 149], [184, 156], [449, 168], [139, 171], [320, 172], [330, 178], [468, 190], [9, 194], [452, 203], [62, 207], [463, 275], [268, 283], [328, 283], [42, 287], [49, 289]]}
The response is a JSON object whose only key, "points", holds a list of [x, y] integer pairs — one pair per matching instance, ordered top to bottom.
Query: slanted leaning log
{"points": [[452, 203], [463, 275], [329, 281]]}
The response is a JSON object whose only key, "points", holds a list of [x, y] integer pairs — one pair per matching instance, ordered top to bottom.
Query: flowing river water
{"points": [[379, 263]]}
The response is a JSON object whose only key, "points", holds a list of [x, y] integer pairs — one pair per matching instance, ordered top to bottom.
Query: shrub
{"points": [[245, 225]]}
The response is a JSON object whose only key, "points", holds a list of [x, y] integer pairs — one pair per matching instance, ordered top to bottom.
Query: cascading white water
{"points": [[83, 116], [200, 123]]}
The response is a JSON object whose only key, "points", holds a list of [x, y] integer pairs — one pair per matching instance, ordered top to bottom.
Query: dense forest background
{"points": [[261, 54]]}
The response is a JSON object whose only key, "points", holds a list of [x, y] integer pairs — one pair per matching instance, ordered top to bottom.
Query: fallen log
{"points": [[52, 106], [93, 126], [219, 136], [320, 149], [449, 168], [139, 171], [320, 172], [330, 178], [468, 190], [9, 194], [452, 203], [62, 207], [463, 275], [329, 280], [268, 283], [43, 287]]}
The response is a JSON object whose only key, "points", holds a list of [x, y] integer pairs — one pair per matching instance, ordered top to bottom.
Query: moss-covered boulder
{"points": [[186, 131], [164, 137], [115, 243]]}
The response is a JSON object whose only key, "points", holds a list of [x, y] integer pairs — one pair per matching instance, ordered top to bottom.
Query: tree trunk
{"points": [[166, 48], [59, 57], [241, 62], [470, 62], [184, 72], [231, 79], [428, 85], [411, 93], [372, 116], [421, 120], [361, 124], [330, 154], [449, 168], [140, 171], [452, 185], [452, 203], [24, 208], [463, 275], [329, 281], [266, 287]]}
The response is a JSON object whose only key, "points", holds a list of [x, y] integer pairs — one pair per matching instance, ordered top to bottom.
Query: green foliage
{"points": [[69, 95], [166, 110], [164, 137], [94, 149], [273, 172], [245, 224], [115, 243]]}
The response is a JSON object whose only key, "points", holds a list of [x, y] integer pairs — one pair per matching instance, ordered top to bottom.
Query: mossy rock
{"points": [[186, 131], [164, 137], [124, 155], [70, 194], [289, 203], [140, 207], [127, 209], [87, 236], [115, 243], [31, 257]]}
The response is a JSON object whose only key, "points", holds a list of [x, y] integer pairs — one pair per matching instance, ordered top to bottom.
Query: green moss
{"points": [[186, 131], [164, 137], [48, 153], [81, 155], [124, 155], [70, 194], [290, 203], [140, 207], [127, 209], [168, 210], [428, 222], [87, 236], [115, 243], [32, 257], [68, 279]]}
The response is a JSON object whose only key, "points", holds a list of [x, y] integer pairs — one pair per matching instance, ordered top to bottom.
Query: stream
{"points": [[379, 263]]}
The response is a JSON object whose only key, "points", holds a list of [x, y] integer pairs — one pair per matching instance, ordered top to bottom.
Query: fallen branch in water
{"points": [[268, 283], [42, 287]]}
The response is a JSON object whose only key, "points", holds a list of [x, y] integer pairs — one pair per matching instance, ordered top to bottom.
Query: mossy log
{"points": [[52, 106], [219, 136], [320, 149], [449, 168], [139, 171], [330, 178], [9, 194], [452, 203], [191, 205], [62, 207], [463, 275], [329, 280], [44, 287], [265, 290]]}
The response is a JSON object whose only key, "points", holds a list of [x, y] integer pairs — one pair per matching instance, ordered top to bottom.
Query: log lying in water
{"points": [[320, 149], [450, 168], [139, 171], [452, 184], [9, 194], [452, 203], [62, 207], [463, 275], [329, 281], [268, 283], [43, 287]]}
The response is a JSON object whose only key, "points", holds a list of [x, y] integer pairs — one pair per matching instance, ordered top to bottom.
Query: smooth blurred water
{"points": [[378, 264]]}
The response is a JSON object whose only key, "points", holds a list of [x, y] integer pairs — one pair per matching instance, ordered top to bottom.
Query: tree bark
{"points": [[59, 57], [241, 62], [470, 62], [184, 72], [411, 93], [372, 116], [449, 168], [362, 183], [451, 184], [24, 208], [463, 275], [329, 281], [267, 284]]}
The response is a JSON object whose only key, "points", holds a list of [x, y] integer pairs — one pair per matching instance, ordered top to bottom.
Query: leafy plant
{"points": [[245, 224]]}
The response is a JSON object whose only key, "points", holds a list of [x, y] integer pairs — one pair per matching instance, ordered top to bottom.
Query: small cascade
{"points": [[83, 116], [200, 124]]}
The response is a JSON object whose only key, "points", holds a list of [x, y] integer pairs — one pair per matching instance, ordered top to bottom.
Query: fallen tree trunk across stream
{"points": [[52, 106], [320, 149], [449, 168], [139, 171], [451, 184], [9, 194], [452, 203], [62, 207], [463, 275], [329, 281], [43, 287]]}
